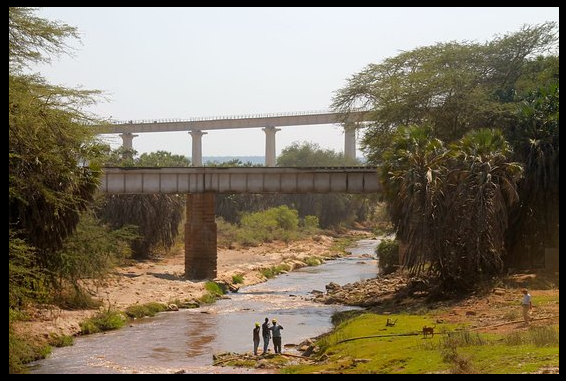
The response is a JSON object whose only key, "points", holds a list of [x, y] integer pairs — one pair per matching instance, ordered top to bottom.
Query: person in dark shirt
{"points": [[266, 333]]}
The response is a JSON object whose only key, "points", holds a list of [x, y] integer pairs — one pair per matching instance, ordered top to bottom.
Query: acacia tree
{"points": [[453, 87], [47, 139]]}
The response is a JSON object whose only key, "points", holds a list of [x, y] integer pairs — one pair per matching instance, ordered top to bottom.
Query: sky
{"points": [[158, 63]]}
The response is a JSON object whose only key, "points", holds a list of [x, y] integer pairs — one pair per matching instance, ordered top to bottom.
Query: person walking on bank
{"points": [[527, 305], [276, 332], [266, 333], [256, 338]]}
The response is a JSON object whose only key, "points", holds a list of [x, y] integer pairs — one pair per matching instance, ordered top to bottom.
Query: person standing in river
{"points": [[276, 332], [266, 333], [256, 337]]}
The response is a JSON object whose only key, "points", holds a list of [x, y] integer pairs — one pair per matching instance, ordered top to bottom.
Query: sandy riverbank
{"points": [[162, 281]]}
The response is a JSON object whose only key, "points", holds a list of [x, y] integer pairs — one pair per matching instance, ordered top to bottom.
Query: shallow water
{"points": [[187, 339]]}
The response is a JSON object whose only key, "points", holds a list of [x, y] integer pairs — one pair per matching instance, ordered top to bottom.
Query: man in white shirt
{"points": [[527, 305]]}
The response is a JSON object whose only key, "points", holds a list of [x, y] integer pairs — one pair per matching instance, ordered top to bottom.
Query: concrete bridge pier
{"points": [[127, 140], [350, 141], [196, 154], [270, 159], [200, 237]]}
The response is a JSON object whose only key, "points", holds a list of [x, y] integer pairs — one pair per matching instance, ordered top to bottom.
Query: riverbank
{"points": [[162, 280], [402, 331], [479, 333]]}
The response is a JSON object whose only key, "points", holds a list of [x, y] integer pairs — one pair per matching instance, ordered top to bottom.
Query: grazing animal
{"points": [[390, 322], [428, 331]]}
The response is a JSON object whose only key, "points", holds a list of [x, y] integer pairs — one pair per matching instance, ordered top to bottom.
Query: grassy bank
{"points": [[449, 351]]}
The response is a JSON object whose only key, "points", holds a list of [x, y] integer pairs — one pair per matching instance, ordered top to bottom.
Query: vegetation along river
{"points": [[186, 340]]}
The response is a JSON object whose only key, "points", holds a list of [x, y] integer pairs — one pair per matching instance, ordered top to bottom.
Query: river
{"points": [[186, 340]]}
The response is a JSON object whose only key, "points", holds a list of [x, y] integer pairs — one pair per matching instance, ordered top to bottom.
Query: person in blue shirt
{"points": [[527, 305], [276, 333]]}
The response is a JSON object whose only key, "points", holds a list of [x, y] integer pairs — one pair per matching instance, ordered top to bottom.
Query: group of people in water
{"points": [[268, 333]]}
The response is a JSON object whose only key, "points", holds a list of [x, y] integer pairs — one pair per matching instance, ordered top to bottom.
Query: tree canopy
{"points": [[453, 87], [454, 126], [48, 139]]}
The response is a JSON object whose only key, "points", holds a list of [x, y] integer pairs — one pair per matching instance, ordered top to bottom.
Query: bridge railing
{"points": [[229, 117]]}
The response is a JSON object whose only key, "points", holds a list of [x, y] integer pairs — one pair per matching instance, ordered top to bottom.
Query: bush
{"points": [[311, 223], [267, 226], [388, 255], [313, 261], [275, 270], [238, 278], [214, 288], [207, 298], [148, 309], [104, 321], [59, 341], [21, 352]]}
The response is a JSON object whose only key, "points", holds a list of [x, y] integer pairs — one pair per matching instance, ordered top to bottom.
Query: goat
{"points": [[428, 331]]}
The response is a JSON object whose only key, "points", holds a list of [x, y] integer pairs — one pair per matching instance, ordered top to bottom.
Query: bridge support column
{"points": [[128, 140], [350, 141], [196, 158], [270, 159], [200, 237]]}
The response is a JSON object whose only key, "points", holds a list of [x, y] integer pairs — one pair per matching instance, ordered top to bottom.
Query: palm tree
{"points": [[412, 177], [480, 190], [450, 207]]}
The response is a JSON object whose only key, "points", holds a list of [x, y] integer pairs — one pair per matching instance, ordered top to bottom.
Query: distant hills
{"points": [[243, 159]]}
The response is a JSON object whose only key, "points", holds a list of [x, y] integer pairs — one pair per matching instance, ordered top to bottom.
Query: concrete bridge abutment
{"points": [[200, 237]]}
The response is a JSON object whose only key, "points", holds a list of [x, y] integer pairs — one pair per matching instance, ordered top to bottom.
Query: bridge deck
{"points": [[222, 123], [240, 180]]}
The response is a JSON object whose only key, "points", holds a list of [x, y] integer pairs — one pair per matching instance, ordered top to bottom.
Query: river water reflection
{"points": [[188, 338]]}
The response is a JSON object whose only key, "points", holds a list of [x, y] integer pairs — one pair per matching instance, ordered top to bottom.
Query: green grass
{"points": [[340, 245], [313, 261], [275, 270], [237, 279], [214, 288], [207, 298], [545, 299], [137, 311], [104, 321], [538, 336], [58, 341], [21, 351], [458, 352], [385, 354], [504, 359]]}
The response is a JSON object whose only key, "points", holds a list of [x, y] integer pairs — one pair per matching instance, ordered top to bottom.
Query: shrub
{"points": [[311, 223], [388, 255], [312, 261], [238, 278], [214, 288], [137, 311], [104, 321], [539, 336], [58, 341]]}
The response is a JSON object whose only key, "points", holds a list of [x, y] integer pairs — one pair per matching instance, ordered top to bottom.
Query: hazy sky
{"points": [[157, 63]]}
